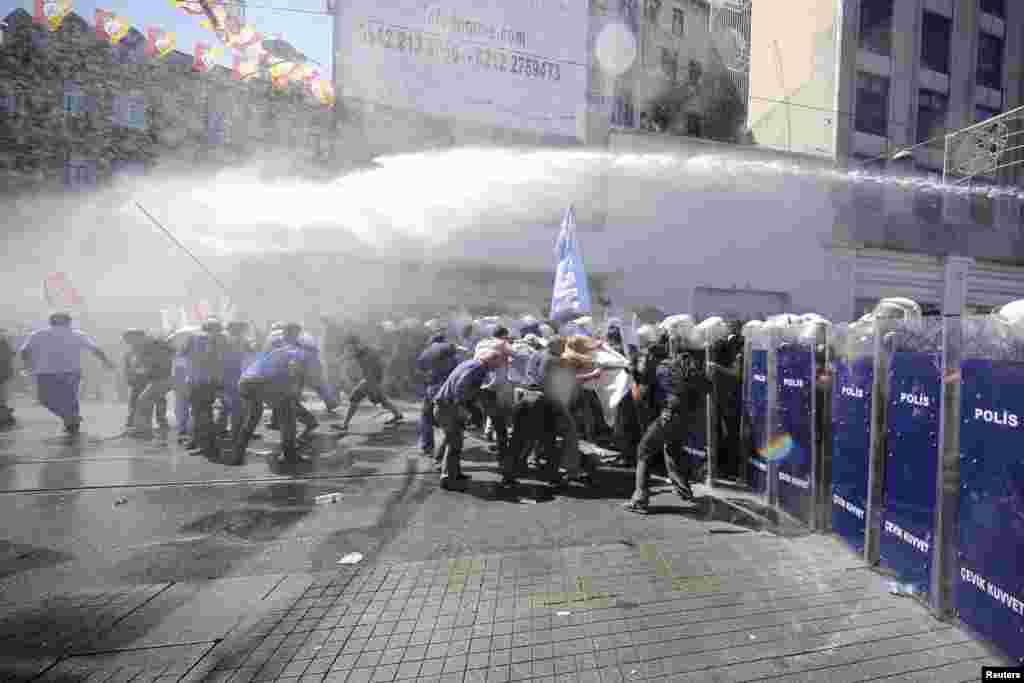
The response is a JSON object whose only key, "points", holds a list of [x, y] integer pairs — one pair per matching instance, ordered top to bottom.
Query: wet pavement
{"points": [[128, 560]]}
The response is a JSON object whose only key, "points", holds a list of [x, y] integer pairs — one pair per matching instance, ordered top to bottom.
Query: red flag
{"points": [[110, 28], [159, 42], [205, 58], [59, 292]]}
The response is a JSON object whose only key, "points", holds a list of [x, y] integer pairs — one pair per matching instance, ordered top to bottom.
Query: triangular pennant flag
{"points": [[51, 13], [110, 28], [159, 43]]}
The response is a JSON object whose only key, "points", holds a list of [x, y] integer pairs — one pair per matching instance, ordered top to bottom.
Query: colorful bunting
{"points": [[194, 7], [51, 13], [110, 28], [160, 43], [205, 57], [245, 68], [282, 73], [323, 91]]}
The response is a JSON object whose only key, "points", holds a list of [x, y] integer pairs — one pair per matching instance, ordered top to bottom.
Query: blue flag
{"points": [[570, 297]]}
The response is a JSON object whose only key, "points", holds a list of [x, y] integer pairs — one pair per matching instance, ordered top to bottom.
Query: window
{"points": [[994, 7], [652, 8], [678, 22], [876, 26], [936, 35], [990, 61], [669, 63], [696, 71], [74, 99], [8, 104], [872, 107], [130, 111], [623, 112], [931, 114], [984, 114], [694, 125], [216, 128], [128, 169], [80, 174], [928, 206], [983, 209]]}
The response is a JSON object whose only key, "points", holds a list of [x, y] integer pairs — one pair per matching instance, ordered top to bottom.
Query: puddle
{"points": [[250, 524]]}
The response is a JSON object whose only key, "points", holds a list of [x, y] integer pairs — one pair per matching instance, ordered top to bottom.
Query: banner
{"points": [[51, 13], [110, 28], [613, 42], [159, 43], [518, 65], [60, 295], [570, 295], [757, 409], [851, 443], [791, 447], [908, 519], [990, 587]]}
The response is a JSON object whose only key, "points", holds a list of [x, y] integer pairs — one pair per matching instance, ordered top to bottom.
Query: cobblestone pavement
{"points": [[453, 586]]}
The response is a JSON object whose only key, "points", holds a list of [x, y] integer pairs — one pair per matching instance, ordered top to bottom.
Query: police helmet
{"points": [[60, 319], [213, 325], [292, 330]]}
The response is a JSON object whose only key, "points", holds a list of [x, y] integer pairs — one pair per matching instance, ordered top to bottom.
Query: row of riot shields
{"points": [[907, 442]]}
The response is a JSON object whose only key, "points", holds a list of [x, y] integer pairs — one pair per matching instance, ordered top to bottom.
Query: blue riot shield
{"points": [[757, 409], [851, 443], [792, 447], [911, 467], [989, 591]]}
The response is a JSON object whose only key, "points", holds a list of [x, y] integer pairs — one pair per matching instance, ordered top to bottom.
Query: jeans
{"points": [[255, 395], [202, 397], [153, 398], [182, 407], [493, 409], [559, 414], [451, 419], [425, 428], [527, 432]]}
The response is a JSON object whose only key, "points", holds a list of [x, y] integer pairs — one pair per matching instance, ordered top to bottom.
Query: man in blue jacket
{"points": [[206, 355], [437, 362], [277, 378], [451, 411]]}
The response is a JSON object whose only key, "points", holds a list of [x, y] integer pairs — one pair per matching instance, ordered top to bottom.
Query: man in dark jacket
{"points": [[206, 353], [155, 358], [436, 362], [277, 378], [680, 384], [370, 387], [451, 401]]}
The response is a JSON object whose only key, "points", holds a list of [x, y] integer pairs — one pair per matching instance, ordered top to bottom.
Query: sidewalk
{"points": [[466, 586], [722, 607]]}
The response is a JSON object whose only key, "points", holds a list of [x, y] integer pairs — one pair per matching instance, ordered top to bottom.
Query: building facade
{"points": [[76, 112]]}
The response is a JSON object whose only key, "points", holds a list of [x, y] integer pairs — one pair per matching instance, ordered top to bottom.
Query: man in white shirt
{"points": [[54, 356]]}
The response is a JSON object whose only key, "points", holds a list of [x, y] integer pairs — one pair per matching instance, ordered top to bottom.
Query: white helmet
{"points": [[897, 308], [1012, 313], [680, 320], [411, 324], [389, 325], [434, 325], [752, 328], [712, 330], [546, 331], [815, 332], [647, 335]]}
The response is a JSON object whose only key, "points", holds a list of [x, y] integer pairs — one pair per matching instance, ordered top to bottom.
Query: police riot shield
{"points": [[852, 384], [756, 409], [791, 445], [906, 542], [989, 584]]}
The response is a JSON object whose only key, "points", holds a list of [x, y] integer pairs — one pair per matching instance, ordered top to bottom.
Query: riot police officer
{"points": [[679, 385]]}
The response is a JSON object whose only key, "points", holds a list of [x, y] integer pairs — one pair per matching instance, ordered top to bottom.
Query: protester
{"points": [[239, 349], [206, 353], [54, 356], [437, 362], [131, 367], [6, 374], [156, 374], [277, 378], [370, 386], [679, 386], [323, 389], [493, 397], [451, 400]]}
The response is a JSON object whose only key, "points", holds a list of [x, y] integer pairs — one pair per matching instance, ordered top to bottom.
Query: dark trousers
{"points": [[134, 391], [256, 395], [202, 397], [493, 409], [449, 417], [558, 418], [628, 427], [425, 428], [527, 432], [666, 435]]}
